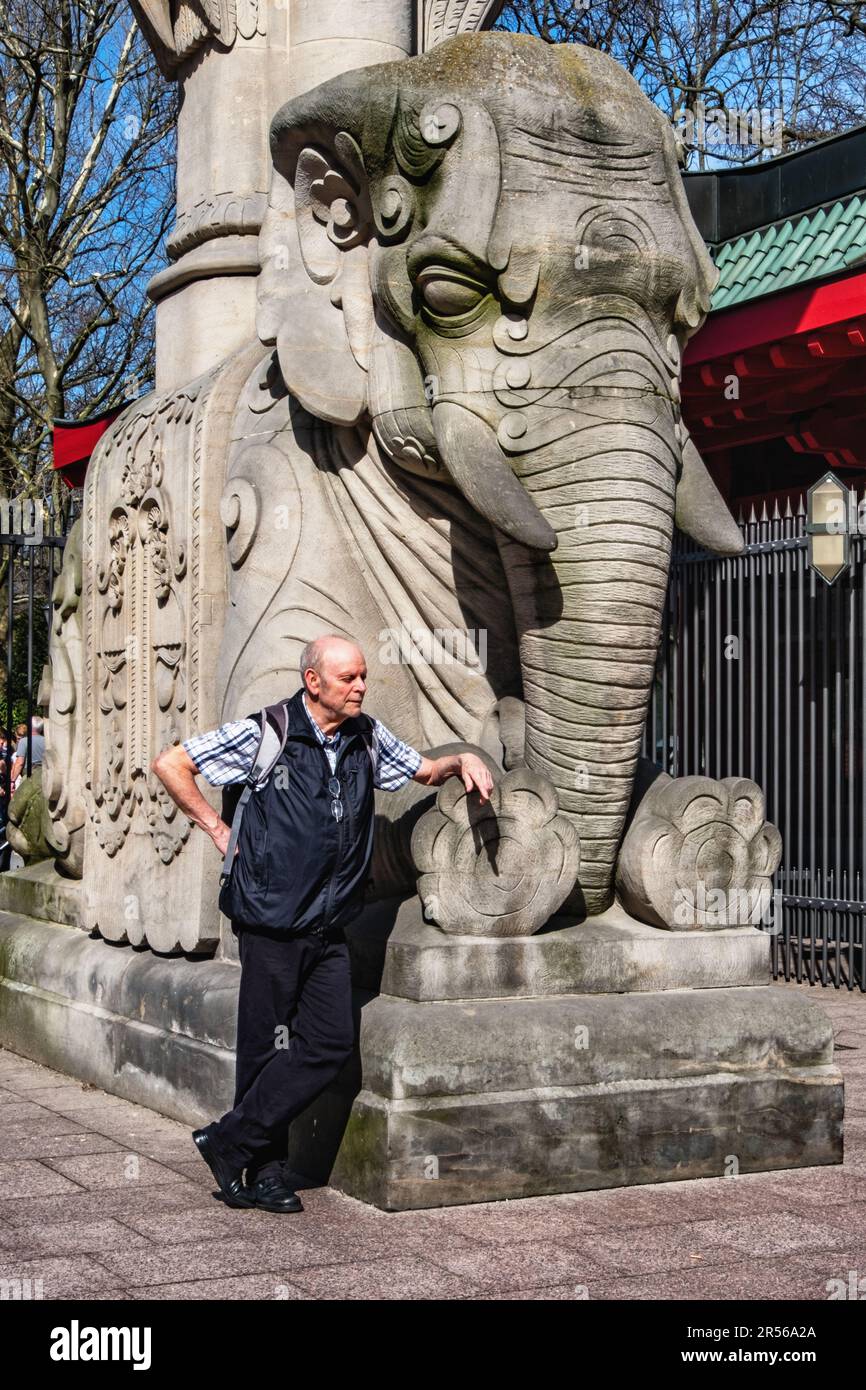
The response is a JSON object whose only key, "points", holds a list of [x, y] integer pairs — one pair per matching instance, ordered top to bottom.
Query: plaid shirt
{"points": [[225, 755]]}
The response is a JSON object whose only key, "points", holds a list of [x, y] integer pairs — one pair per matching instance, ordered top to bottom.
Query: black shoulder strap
{"points": [[274, 725], [368, 733]]}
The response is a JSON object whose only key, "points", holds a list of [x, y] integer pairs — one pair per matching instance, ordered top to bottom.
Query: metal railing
{"points": [[30, 561], [761, 675]]}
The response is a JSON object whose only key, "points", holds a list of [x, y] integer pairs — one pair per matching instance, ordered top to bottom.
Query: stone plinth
{"points": [[512, 1068]]}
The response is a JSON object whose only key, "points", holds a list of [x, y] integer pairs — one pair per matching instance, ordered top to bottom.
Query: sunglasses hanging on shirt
{"points": [[336, 804]]}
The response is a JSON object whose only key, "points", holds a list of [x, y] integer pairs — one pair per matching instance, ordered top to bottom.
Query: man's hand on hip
{"points": [[220, 836]]}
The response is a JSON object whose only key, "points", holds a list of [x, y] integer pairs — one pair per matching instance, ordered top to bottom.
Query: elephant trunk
{"points": [[588, 609]]}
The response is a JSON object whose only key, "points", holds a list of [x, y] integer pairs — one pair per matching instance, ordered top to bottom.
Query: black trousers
{"points": [[295, 1031]]}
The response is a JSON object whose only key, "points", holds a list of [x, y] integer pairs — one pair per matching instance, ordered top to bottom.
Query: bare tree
{"points": [[796, 66], [86, 194]]}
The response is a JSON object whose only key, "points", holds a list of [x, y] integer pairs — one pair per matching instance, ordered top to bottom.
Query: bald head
{"points": [[334, 673]]}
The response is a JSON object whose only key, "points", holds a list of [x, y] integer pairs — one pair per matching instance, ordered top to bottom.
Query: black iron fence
{"points": [[761, 674]]}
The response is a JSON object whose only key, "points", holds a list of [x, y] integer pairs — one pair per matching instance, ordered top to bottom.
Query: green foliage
{"points": [[18, 713]]}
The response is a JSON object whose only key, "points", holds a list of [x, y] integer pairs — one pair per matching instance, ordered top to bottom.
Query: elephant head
{"points": [[487, 252]]}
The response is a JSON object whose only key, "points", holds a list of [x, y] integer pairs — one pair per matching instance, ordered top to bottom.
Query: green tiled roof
{"points": [[806, 247]]}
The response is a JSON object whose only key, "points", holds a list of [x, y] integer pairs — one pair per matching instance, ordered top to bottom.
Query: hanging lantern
{"points": [[827, 511]]}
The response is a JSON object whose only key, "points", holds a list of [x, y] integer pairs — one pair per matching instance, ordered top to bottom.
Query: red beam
{"points": [[805, 310]]}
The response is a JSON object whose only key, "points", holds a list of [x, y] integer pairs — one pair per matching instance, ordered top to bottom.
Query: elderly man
{"points": [[309, 843]]}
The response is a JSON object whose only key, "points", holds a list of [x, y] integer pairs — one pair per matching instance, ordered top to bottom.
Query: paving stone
{"points": [[40, 1078], [72, 1099], [19, 1112], [46, 1122], [53, 1145], [121, 1168], [29, 1178], [821, 1190], [116, 1202], [663, 1204], [847, 1216], [214, 1222], [68, 1238], [681, 1246], [190, 1260], [521, 1264], [76, 1276], [796, 1277], [398, 1278], [258, 1288], [550, 1293]]}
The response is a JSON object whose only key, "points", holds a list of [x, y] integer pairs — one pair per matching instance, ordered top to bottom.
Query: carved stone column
{"points": [[229, 59], [236, 62]]}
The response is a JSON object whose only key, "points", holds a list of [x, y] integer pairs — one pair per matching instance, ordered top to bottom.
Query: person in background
{"points": [[37, 740], [5, 759]]}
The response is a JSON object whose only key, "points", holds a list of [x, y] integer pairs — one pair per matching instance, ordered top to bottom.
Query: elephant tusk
{"points": [[471, 453], [702, 511]]}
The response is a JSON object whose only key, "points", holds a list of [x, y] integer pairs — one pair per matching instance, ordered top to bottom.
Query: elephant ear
{"points": [[314, 297]]}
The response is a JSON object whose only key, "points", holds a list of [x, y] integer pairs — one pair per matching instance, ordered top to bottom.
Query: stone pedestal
{"points": [[509, 1068]]}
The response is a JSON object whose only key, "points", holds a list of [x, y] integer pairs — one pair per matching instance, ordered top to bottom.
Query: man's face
{"points": [[341, 681]]}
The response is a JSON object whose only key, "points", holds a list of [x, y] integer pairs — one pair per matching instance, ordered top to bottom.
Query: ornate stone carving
{"points": [[442, 19], [176, 29], [226, 214], [137, 657], [62, 694], [699, 854], [502, 869]]}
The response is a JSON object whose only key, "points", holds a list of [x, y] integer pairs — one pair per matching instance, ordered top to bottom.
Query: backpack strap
{"points": [[274, 727], [368, 733]]}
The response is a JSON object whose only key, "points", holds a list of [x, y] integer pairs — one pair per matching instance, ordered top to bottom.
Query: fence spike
{"points": [[801, 505]]}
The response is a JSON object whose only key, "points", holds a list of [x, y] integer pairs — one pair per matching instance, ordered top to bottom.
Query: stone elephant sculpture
{"points": [[479, 272]]}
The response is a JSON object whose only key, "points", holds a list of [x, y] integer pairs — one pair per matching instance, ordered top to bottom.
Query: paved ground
{"points": [[101, 1199]]}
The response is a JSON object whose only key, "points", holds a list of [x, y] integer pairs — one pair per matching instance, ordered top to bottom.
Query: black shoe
{"points": [[230, 1183], [272, 1194]]}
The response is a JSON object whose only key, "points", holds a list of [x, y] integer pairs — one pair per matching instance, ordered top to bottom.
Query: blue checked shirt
{"points": [[225, 755]]}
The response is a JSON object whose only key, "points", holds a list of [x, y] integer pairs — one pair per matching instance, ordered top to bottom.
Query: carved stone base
{"points": [[154, 1030], [500, 1069], [401, 1154]]}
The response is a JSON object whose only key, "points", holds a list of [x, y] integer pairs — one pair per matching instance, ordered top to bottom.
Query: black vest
{"points": [[297, 866]]}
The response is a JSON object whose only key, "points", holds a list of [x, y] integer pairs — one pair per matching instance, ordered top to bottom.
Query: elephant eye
{"points": [[448, 293]]}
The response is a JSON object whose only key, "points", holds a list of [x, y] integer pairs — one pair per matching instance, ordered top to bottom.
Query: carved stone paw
{"points": [[699, 854], [500, 869]]}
